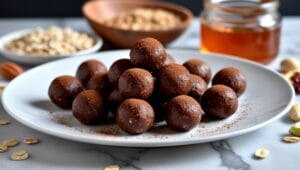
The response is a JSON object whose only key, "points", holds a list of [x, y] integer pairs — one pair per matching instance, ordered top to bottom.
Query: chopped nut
{"points": [[289, 64], [288, 75], [295, 79], [294, 113], [4, 122], [295, 129], [291, 139], [31, 141], [10, 142], [3, 148], [261, 153], [19, 155], [112, 167]]}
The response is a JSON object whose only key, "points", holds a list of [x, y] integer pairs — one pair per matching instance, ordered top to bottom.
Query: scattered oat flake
{"points": [[4, 122], [291, 139], [31, 141], [10, 142], [3, 148], [261, 153], [19, 155], [112, 167]]}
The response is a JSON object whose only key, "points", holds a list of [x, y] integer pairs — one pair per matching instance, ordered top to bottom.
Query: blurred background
{"points": [[72, 8]]}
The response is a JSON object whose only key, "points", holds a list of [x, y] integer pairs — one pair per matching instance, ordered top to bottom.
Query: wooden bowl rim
{"points": [[164, 5]]}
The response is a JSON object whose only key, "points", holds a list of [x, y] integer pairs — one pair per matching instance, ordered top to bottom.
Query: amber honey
{"points": [[241, 29], [258, 45]]}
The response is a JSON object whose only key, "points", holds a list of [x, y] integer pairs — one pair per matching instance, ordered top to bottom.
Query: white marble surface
{"points": [[232, 154]]}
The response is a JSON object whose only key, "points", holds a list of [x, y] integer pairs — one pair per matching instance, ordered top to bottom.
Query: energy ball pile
{"points": [[147, 88]]}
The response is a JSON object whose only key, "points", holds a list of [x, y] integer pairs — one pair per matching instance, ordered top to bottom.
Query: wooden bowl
{"points": [[99, 10]]}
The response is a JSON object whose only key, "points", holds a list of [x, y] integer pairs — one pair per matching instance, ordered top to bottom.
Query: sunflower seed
{"points": [[4, 122], [291, 139], [31, 141], [10, 142], [3, 148], [261, 153], [19, 155], [112, 167]]}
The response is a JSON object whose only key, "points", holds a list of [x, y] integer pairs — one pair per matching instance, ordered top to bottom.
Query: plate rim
{"points": [[155, 143]]}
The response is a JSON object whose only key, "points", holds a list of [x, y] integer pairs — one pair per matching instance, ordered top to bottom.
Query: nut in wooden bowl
{"points": [[98, 12]]}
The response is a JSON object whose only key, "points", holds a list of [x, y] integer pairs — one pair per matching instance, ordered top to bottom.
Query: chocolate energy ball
{"points": [[148, 53], [169, 60], [88, 68], [200, 68], [116, 69], [231, 77], [173, 80], [99, 82], [136, 83], [198, 87], [63, 90], [114, 100], [219, 101], [159, 105], [88, 107], [160, 110], [183, 113], [135, 116]]}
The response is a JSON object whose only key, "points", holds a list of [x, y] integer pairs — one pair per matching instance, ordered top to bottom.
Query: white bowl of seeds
{"points": [[41, 45]]}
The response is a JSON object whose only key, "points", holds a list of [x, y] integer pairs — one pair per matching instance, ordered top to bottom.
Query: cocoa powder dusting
{"points": [[63, 120], [112, 131], [202, 131]]}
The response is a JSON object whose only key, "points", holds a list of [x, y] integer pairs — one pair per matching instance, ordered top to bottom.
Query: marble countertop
{"points": [[232, 154]]}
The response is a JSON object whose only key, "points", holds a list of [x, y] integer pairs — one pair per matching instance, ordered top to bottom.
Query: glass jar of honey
{"points": [[244, 28]]}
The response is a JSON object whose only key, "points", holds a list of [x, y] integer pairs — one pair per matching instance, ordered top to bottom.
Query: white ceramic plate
{"points": [[34, 60], [268, 96]]}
